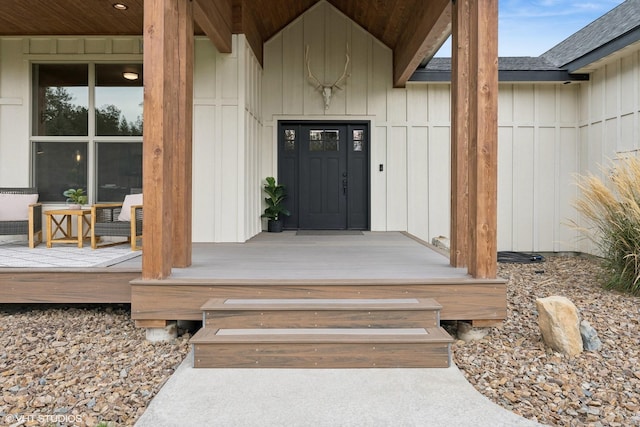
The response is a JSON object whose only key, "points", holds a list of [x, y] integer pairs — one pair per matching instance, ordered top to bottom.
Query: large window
{"points": [[87, 130]]}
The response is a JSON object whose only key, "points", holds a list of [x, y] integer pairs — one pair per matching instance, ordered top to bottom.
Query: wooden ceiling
{"points": [[69, 17], [387, 20]]}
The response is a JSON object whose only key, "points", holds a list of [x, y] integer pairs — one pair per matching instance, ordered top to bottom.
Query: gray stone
{"points": [[441, 242], [559, 324], [168, 333], [468, 333], [590, 340]]}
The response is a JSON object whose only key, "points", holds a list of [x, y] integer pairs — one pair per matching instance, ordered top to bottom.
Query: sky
{"points": [[530, 28]]}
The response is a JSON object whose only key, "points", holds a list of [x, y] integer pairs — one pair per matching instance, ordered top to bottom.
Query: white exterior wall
{"points": [[16, 56], [14, 114], [609, 115], [227, 127], [547, 132], [411, 134], [538, 151], [226, 184], [406, 195]]}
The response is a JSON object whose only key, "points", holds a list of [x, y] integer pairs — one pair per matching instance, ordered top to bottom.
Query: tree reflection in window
{"points": [[61, 99], [118, 100], [289, 140], [324, 140], [358, 140]]}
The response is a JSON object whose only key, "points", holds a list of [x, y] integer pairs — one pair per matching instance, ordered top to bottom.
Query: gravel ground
{"points": [[84, 365], [79, 366], [512, 367]]}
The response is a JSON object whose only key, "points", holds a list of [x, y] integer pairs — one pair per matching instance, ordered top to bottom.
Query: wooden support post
{"points": [[460, 115], [160, 117], [483, 143], [182, 159]]}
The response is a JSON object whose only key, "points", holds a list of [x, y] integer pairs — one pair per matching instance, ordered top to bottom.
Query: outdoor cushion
{"points": [[129, 200], [15, 207]]}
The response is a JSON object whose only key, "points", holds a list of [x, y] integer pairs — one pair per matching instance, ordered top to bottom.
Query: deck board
{"points": [[372, 255], [272, 265]]}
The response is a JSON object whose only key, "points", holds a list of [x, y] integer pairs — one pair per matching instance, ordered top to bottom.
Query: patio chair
{"points": [[20, 214], [119, 220]]}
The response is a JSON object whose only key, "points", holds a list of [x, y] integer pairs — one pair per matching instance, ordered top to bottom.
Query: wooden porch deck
{"points": [[271, 265], [290, 265]]}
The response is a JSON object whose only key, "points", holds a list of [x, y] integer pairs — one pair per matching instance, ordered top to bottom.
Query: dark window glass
{"points": [[60, 99], [289, 140], [324, 140], [58, 167], [119, 170]]}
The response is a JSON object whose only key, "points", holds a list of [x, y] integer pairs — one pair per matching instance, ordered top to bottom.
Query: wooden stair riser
{"points": [[321, 319], [331, 333], [322, 355]]}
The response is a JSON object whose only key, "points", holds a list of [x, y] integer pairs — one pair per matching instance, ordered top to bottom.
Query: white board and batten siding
{"points": [[609, 115], [409, 127], [547, 132], [411, 134], [226, 151], [537, 161], [226, 180]]}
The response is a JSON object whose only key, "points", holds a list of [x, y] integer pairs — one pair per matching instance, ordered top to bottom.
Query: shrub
{"points": [[612, 212]]}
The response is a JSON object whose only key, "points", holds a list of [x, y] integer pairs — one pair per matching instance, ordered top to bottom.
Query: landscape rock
{"points": [[559, 324], [466, 332], [590, 340], [517, 352], [510, 366], [107, 372]]}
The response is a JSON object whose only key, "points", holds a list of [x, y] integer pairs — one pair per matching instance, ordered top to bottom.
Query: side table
{"points": [[60, 220]]}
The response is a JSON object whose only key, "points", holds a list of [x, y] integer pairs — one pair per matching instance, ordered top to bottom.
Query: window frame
{"points": [[91, 139]]}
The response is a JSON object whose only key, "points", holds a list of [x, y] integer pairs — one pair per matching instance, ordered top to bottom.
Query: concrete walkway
{"points": [[322, 397]]}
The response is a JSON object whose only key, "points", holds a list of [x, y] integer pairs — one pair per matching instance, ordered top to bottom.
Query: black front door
{"points": [[324, 167]]}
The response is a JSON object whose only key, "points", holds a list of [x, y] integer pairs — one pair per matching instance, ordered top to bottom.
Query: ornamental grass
{"points": [[611, 209]]}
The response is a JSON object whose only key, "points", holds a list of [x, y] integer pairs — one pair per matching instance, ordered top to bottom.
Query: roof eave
{"points": [[603, 51], [422, 75]]}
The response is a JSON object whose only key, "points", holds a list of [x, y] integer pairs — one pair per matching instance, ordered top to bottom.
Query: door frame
{"points": [[281, 124]]}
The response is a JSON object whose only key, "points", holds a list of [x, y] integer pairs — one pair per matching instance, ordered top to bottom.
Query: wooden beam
{"points": [[215, 17], [244, 22], [424, 34], [160, 110], [460, 115], [483, 144], [182, 159]]}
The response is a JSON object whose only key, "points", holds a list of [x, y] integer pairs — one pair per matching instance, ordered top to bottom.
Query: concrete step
{"points": [[321, 313], [322, 348]]}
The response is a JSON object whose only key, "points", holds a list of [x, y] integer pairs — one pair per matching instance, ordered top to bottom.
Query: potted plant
{"points": [[277, 193], [76, 197]]}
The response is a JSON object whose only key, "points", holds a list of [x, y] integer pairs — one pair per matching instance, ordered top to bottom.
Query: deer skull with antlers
{"points": [[324, 89]]}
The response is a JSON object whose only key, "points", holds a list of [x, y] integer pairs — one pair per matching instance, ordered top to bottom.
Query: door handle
{"points": [[344, 186]]}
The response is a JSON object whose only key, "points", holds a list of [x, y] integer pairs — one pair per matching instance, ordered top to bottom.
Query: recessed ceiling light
{"points": [[120, 6], [130, 75]]}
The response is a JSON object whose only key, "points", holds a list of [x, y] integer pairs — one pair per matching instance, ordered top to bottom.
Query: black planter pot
{"points": [[274, 225]]}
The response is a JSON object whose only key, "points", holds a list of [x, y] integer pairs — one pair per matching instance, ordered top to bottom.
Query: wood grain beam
{"points": [[215, 17], [244, 22], [427, 30], [160, 110], [460, 115], [483, 143], [182, 159]]}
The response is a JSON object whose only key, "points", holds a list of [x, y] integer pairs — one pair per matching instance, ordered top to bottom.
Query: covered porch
{"points": [[272, 265], [176, 276]]}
